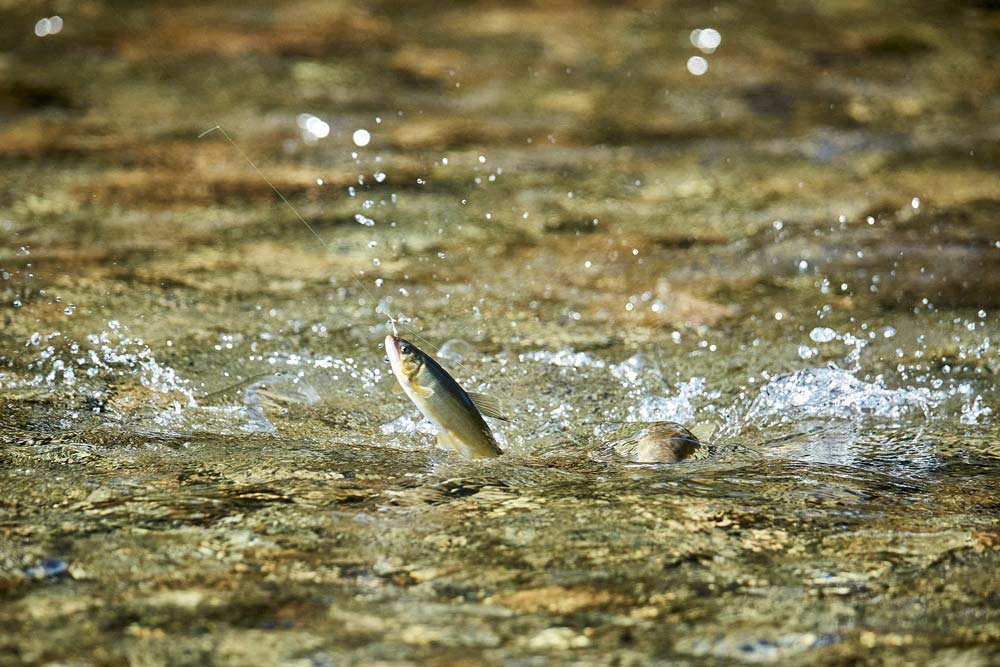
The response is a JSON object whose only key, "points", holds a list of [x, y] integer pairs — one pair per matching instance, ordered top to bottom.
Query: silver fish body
{"points": [[452, 411]]}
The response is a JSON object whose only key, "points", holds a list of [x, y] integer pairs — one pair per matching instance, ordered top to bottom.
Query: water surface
{"points": [[202, 460]]}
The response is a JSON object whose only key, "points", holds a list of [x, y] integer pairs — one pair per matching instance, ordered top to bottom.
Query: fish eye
{"points": [[405, 348]]}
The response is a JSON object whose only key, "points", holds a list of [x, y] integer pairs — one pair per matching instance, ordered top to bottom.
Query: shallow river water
{"points": [[797, 250]]}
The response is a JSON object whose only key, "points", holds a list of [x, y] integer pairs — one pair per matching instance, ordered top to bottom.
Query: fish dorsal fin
{"points": [[488, 405], [704, 431]]}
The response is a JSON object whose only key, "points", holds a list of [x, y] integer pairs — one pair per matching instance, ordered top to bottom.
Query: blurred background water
{"points": [[780, 223]]}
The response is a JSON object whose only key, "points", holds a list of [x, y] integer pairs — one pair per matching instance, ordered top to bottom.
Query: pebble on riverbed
{"points": [[47, 568]]}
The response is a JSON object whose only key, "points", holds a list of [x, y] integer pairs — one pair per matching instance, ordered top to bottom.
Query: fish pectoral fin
{"points": [[396, 388], [421, 391], [488, 405]]}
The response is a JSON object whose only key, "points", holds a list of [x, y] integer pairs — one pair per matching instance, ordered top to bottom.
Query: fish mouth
{"points": [[392, 351]]}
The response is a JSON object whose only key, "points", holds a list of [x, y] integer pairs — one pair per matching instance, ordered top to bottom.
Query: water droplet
{"points": [[706, 39], [697, 65], [314, 127], [361, 137], [822, 335]]}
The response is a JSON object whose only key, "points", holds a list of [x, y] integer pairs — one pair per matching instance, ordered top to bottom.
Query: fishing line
{"points": [[222, 131], [392, 320], [242, 384]]}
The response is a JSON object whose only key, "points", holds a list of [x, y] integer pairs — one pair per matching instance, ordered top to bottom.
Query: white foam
{"points": [[564, 358], [85, 368], [836, 393]]}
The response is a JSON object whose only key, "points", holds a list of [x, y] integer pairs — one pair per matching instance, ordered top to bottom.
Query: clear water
{"points": [[202, 460]]}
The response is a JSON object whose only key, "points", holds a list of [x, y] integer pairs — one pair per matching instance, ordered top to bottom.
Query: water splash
{"points": [[567, 358], [87, 368], [336, 368], [276, 390], [834, 393], [680, 407], [975, 411], [408, 425]]}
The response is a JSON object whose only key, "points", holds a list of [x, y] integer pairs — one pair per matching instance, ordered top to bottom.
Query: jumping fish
{"points": [[456, 414]]}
